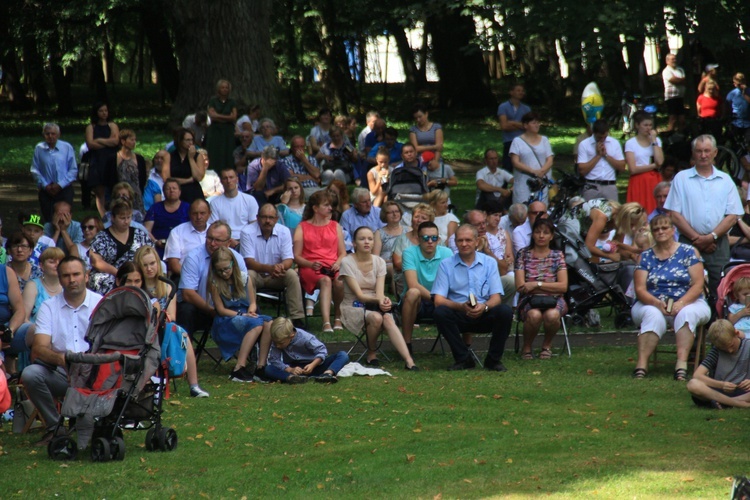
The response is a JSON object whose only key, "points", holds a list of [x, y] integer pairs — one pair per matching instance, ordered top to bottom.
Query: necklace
{"points": [[52, 291]]}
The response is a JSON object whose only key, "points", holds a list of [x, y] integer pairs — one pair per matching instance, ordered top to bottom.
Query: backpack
{"points": [[174, 348]]}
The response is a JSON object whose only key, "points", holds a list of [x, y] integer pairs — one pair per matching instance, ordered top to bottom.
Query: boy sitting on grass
{"points": [[297, 355], [723, 378]]}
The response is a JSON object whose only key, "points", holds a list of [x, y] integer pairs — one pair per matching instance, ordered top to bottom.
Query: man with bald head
{"points": [[522, 234], [187, 236]]}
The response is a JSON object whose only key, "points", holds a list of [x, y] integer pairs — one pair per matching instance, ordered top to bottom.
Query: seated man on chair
{"points": [[267, 249], [420, 265], [465, 276], [194, 311], [61, 326]]}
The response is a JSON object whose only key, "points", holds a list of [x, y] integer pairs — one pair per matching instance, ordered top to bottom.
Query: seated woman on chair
{"points": [[541, 280], [669, 287], [365, 303]]}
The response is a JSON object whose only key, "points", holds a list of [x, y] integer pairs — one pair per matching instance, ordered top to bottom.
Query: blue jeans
{"points": [[451, 324], [334, 362]]}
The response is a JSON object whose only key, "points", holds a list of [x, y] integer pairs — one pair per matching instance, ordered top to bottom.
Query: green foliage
{"points": [[567, 428]]}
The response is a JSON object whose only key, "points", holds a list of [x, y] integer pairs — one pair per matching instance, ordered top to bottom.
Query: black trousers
{"points": [[451, 324]]}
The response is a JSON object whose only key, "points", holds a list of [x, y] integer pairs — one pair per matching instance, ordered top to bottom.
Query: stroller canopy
{"points": [[123, 320]]}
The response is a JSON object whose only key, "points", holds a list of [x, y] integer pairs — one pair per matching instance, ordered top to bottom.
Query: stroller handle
{"points": [[173, 289], [92, 359]]}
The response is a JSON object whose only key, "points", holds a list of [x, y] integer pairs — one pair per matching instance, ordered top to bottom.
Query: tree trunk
{"points": [[227, 39], [160, 46], [141, 55], [109, 63], [637, 69], [35, 70], [335, 75], [463, 75], [11, 79], [60, 80], [415, 80], [97, 81], [295, 90]]}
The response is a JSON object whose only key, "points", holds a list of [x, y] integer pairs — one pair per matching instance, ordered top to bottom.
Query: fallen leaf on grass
{"points": [[589, 372], [536, 373], [480, 396], [497, 396], [175, 402], [650, 413], [505, 422], [211, 429], [417, 430], [595, 430], [199, 436], [320, 443], [209, 444], [410, 458], [143, 460], [509, 461], [480, 462], [285, 478], [687, 479], [467, 481], [320, 486], [439, 496]]}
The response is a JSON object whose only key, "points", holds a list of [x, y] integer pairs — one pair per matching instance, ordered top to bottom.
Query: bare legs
{"points": [[328, 290], [409, 310], [534, 320], [377, 323], [249, 340], [648, 341], [699, 389]]}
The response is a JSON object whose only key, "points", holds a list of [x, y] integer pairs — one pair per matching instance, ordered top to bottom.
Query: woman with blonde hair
{"points": [[422, 212], [594, 217], [630, 219], [446, 222]]}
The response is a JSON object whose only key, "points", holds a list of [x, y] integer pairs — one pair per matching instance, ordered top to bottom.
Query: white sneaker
{"points": [[197, 392]]}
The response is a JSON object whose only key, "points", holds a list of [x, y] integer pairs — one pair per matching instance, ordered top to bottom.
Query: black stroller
{"points": [[407, 187], [592, 285], [118, 383]]}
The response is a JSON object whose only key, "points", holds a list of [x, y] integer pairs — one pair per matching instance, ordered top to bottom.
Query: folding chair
{"points": [[274, 295], [563, 323], [201, 337], [361, 339], [439, 339], [699, 345]]}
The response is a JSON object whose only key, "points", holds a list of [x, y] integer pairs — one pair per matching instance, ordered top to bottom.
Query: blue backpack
{"points": [[174, 348]]}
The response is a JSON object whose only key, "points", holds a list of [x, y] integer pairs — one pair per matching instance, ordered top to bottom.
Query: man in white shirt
{"points": [[674, 92], [370, 120], [600, 157], [493, 183], [233, 207], [522, 234], [187, 236], [267, 250], [61, 326]]}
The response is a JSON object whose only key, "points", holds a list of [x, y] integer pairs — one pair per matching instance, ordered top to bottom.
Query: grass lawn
{"points": [[564, 428]]}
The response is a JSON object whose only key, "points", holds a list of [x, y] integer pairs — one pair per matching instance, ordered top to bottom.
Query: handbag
{"points": [[740, 251], [542, 302], [22, 411]]}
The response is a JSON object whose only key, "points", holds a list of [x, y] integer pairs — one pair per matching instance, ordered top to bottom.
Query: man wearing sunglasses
{"points": [[420, 265], [194, 311]]}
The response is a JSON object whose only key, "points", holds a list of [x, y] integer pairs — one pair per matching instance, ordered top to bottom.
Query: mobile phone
{"points": [[472, 300], [670, 305]]}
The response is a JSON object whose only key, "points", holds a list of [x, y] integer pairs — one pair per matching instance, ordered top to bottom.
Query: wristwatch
{"points": [[716, 237], [539, 284], [486, 308]]}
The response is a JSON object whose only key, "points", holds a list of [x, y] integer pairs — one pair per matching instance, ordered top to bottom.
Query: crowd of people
{"points": [[280, 217]]}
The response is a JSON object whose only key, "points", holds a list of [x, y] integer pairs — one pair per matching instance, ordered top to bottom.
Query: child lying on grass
{"points": [[297, 356], [723, 378]]}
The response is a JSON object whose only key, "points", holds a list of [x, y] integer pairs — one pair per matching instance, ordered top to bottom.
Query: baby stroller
{"points": [[407, 186], [731, 272], [593, 285], [111, 385]]}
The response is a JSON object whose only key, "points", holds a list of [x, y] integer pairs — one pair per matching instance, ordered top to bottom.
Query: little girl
{"points": [[739, 311], [237, 326]]}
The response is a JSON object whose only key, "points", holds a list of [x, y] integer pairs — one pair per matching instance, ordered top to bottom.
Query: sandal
{"points": [[309, 311], [337, 324], [329, 329], [545, 353], [527, 356], [639, 373], [680, 375], [716, 405]]}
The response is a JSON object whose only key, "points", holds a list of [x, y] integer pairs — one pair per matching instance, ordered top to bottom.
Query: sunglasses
{"points": [[427, 237]]}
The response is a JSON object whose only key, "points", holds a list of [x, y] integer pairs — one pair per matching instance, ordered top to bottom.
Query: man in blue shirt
{"points": [[737, 101], [509, 114], [391, 144], [54, 169], [361, 213], [420, 265], [466, 275], [194, 310]]}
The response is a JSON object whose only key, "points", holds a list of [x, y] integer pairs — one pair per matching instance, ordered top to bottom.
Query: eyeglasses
{"points": [[89, 228], [427, 237], [211, 239], [19, 247], [223, 270]]}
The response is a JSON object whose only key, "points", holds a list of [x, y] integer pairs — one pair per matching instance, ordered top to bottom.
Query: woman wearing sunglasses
{"points": [[90, 226]]}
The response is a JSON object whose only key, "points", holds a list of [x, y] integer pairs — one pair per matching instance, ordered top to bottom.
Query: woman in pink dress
{"points": [[318, 251]]}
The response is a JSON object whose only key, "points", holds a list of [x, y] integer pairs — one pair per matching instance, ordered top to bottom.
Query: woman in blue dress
{"points": [[237, 325]]}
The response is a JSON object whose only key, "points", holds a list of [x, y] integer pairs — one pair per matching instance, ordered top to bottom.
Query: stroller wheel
{"points": [[167, 439], [151, 443], [117, 446], [62, 448], [100, 451]]}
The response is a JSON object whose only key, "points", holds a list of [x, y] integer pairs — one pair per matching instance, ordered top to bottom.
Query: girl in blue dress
{"points": [[237, 325]]}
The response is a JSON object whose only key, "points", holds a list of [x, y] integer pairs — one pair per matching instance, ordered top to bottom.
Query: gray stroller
{"points": [[119, 383]]}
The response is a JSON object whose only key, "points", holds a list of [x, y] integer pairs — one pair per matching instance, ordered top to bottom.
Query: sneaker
{"points": [[241, 375], [326, 378], [296, 379], [197, 392]]}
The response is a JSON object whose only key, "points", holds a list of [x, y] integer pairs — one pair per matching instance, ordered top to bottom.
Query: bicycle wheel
{"points": [[727, 161]]}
